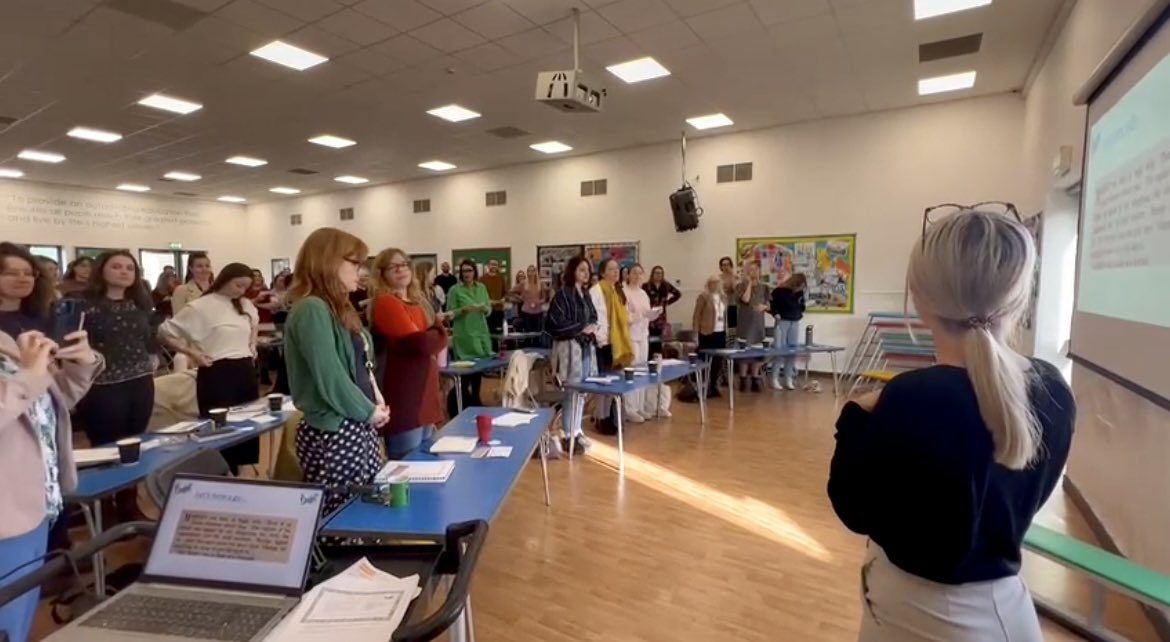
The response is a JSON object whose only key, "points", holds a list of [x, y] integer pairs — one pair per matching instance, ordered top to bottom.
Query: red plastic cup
{"points": [[483, 425]]}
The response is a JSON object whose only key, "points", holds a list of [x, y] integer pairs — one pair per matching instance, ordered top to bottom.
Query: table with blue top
{"points": [[771, 353], [478, 367], [576, 391], [96, 483], [476, 489]]}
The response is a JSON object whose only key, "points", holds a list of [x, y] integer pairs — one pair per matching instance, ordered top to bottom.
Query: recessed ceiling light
{"points": [[924, 9], [285, 54], [638, 70], [952, 82], [170, 103], [453, 113], [710, 121], [96, 135], [329, 140], [551, 147], [41, 157], [246, 161], [436, 166], [10, 173], [186, 177], [352, 180], [132, 187], [284, 190], [232, 199]]}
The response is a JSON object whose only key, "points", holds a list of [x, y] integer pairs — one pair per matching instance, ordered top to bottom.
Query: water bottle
{"points": [[505, 327], [808, 335]]}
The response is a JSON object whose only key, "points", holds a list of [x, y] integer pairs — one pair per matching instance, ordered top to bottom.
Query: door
{"points": [[153, 263]]}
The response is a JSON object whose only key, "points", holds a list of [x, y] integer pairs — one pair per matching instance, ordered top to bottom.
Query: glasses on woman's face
{"points": [[941, 212], [352, 261], [397, 265]]}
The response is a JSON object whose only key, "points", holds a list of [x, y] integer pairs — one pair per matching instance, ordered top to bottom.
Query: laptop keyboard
{"points": [[198, 619]]}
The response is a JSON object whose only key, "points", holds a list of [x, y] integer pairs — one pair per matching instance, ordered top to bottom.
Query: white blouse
{"points": [[638, 303], [720, 312], [212, 324], [602, 334]]}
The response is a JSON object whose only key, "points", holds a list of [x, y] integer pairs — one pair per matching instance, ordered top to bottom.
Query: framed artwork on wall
{"points": [[624, 252], [551, 261], [826, 261]]}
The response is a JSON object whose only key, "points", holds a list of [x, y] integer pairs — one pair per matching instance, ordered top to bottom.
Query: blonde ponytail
{"points": [[972, 273], [1002, 379]]}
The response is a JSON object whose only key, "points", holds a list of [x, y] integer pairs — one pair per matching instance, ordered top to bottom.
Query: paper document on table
{"points": [[673, 362], [605, 379], [244, 414], [513, 419], [453, 444], [499, 452], [108, 454], [417, 472], [361, 604]]}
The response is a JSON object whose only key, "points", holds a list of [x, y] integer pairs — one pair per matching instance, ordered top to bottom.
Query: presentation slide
{"points": [[1125, 258], [241, 533]]}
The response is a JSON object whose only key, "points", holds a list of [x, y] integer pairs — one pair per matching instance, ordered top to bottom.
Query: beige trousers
{"points": [[900, 607]]}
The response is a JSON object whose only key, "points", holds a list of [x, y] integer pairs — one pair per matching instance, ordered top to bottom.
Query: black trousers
{"points": [[713, 341], [604, 367], [223, 384], [471, 387], [113, 411]]}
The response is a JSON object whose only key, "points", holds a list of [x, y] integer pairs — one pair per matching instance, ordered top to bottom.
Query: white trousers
{"points": [[647, 401], [899, 607]]}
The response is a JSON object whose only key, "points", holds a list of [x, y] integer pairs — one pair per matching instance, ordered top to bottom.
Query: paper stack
{"points": [[513, 419], [453, 444], [417, 472], [361, 604]]}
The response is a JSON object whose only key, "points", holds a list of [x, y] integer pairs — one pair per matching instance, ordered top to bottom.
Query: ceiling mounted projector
{"points": [[568, 91]]}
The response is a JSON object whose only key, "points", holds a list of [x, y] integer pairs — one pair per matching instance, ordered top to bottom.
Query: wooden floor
{"points": [[721, 532]]}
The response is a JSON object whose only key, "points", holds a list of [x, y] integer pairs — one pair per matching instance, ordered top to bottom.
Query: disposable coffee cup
{"points": [[693, 358], [653, 367], [628, 373], [275, 402], [218, 416], [129, 450], [399, 491]]}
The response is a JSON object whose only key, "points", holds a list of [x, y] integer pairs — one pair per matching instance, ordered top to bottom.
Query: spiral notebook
{"points": [[417, 472]]}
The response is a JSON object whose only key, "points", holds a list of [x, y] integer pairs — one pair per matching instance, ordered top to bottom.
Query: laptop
{"points": [[229, 560]]}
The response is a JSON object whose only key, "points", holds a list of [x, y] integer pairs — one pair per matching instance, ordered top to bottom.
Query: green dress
{"points": [[470, 337]]}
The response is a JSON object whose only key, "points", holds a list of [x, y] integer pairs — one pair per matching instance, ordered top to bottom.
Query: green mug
{"points": [[399, 491]]}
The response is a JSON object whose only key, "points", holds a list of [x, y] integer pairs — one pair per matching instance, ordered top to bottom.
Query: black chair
{"points": [[205, 462]]}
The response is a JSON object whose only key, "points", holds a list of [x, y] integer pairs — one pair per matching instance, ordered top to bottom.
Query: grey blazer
{"points": [[22, 492]]}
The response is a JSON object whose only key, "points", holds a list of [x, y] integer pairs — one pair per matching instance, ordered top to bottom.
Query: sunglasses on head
{"points": [[936, 213]]}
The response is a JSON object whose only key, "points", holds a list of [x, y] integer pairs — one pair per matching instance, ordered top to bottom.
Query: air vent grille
{"points": [[508, 132], [303, 171], [733, 173], [596, 187], [495, 199], [422, 206], [345, 213], [294, 219]]}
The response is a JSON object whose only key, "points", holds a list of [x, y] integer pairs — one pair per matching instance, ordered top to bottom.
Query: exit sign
{"points": [[176, 246]]}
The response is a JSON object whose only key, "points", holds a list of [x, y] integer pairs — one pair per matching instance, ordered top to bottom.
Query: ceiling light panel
{"points": [[924, 9], [288, 55], [638, 70], [951, 82], [170, 103], [453, 113], [710, 121], [95, 135], [336, 142], [551, 147], [40, 156], [246, 161], [436, 166], [6, 172], [186, 177], [352, 180], [133, 187], [284, 190], [232, 199]]}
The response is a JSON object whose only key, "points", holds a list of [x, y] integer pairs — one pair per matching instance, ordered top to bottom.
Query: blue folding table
{"points": [[767, 354], [478, 367], [576, 391], [94, 484], [475, 490]]}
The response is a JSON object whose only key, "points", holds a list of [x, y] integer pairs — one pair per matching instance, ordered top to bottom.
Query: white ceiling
{"points": [[763, 62]]}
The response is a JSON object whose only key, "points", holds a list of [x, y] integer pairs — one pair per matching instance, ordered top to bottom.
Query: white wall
{"points": [[870, 174], [40, 213], [1118, 458]]}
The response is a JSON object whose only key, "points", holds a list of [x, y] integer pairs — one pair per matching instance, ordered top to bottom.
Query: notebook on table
{"points": [[229, 560]]}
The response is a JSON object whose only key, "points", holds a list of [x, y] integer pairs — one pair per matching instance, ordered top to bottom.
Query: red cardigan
{"points": [[411, 379]]}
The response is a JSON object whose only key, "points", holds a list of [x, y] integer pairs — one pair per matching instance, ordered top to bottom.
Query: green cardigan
{"points": [[470, 338], [318, 352]]}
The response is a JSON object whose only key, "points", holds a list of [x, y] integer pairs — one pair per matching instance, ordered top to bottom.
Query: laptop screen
{"points": [[233, 532]]}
